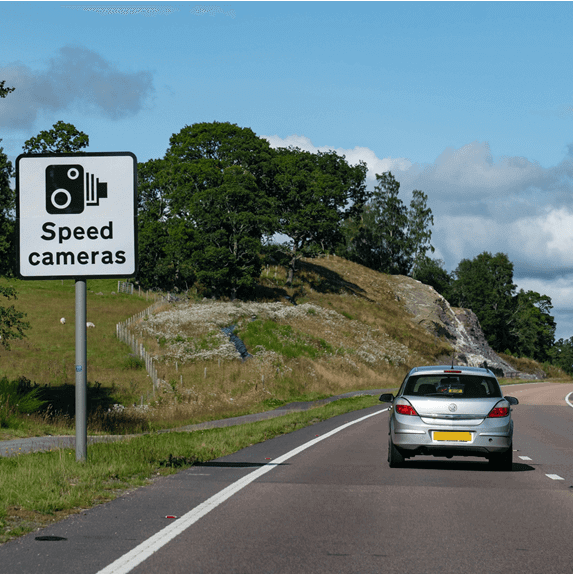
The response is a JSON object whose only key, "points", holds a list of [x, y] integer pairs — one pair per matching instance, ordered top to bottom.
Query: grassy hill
{"points": [[340, 327], [347, 331]]}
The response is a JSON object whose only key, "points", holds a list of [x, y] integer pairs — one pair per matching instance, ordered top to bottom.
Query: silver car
{"points": [[450, 411]]}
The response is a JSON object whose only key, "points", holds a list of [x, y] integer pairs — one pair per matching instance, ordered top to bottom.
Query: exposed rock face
{"points": [[460, 327]]}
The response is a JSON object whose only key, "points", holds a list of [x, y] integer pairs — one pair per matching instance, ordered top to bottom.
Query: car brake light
{"points": [[452, 371], [406, 410], [498, 412]]}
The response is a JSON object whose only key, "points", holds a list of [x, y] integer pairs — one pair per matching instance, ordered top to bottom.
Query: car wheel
{"points": [[395, 457], [502, 461]]}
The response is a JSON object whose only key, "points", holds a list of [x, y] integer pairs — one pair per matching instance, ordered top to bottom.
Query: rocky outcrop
{"points": [[460, 327]]}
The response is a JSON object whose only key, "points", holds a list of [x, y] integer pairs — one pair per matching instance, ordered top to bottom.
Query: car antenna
{"points": [[453, 355]]}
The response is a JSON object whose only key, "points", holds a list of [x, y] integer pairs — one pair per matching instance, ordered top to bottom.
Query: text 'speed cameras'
{"points": [[69, 189]]}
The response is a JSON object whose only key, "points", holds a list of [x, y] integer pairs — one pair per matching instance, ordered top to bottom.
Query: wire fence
{"points": [[125, 287], [124, 334]]}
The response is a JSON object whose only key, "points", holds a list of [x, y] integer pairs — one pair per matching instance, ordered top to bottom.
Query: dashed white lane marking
{"points": [[568, 401], [524, 458], [554, 477], [140, 553]]}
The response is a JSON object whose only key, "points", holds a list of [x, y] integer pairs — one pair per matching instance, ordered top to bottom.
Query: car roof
{"points": [[439, 369]]}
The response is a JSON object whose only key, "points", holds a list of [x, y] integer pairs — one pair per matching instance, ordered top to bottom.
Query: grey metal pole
{"points": [[81, 372]]}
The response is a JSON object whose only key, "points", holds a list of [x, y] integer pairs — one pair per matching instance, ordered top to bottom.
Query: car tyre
{"points": [[395, 457], [502, 461]]}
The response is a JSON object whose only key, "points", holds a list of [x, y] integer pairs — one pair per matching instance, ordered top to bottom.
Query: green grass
{"points": [[283, 339], [47, 355], [57, 485]]}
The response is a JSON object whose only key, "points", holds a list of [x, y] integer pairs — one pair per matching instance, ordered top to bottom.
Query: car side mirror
{"points": [[386, 398], [511, 400]]}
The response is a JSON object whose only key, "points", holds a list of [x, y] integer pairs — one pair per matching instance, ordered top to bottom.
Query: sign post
{"points": [[76, 219], [81, 371]]}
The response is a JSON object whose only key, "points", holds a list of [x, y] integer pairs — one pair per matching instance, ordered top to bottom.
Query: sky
{"points": [[470, 102]]}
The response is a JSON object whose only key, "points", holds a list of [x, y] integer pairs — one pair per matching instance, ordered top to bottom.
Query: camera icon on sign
{"points": [[69, 189]]}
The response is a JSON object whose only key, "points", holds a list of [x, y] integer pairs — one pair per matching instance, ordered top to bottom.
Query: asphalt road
{"points": [[336, 506]]}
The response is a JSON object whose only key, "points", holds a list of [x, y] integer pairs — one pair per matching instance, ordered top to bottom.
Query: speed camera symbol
{"points": [[69, 189]]}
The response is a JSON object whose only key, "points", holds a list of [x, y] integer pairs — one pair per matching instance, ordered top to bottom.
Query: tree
{"points": [[4, 91], [62, 138], [199, 153], [315, 194], [7, 206], [205, 208], [7, 217], [230, 219], [419, 231], [389, 237], [164, 255], [431, 272], [485, 285], [12, 325], [531, 326], [562, 355]]}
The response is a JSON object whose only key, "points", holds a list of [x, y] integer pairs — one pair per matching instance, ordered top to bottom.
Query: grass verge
{"points": [[57, 486]]}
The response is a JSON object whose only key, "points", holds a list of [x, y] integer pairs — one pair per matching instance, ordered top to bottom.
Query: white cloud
{"points": [[353, 156], [470, 173], [548, 237], [543, 244]]}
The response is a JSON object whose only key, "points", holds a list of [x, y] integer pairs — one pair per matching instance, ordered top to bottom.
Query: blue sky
{"points": [[470, 102]]}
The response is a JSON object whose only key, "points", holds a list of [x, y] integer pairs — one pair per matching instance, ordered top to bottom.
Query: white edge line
{"points": [[567, 399], [554, 477], [128, 561]]}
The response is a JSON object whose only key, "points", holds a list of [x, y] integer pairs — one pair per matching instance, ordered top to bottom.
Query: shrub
{"points": [[132, 362], [19, 396]]}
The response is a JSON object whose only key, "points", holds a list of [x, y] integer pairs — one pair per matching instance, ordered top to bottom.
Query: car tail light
{"points": [[406, 410], [498, 412]]}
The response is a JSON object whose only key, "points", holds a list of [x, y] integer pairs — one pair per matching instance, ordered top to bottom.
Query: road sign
{"points": [[76, 215]]}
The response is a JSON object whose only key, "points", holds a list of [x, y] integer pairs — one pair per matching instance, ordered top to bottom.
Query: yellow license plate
{"points": [[453, 436]]}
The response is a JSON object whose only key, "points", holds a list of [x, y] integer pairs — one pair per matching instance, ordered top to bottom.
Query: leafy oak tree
{"points": [[62, 138], [315, 194], [208, 199], [230, 220], [164, 256]]}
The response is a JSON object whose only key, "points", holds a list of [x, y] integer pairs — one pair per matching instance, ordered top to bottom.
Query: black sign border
{"points": [[76, 155]]}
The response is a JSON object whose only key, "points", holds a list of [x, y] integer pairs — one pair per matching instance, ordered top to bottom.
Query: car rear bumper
{"points": [[489, 437]]}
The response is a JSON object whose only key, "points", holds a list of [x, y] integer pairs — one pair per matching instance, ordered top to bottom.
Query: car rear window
{"points": [[458, 386]]}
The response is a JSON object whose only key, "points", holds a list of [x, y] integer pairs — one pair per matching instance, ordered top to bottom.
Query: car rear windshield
{"points": [[458, 386]]}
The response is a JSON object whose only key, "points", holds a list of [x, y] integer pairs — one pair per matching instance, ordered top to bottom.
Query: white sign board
{"points": [[76, 215]]}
